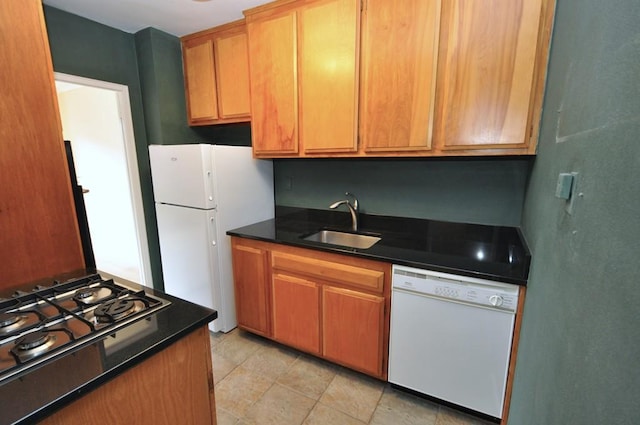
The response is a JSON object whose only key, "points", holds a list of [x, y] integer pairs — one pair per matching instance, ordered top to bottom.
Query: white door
{"points": [[96, 118], [189, 254]]}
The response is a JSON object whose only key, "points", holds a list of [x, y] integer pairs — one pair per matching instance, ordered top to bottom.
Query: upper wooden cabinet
{"points": [[399, 56], [328, 63], [216, 75], [304, 77], [434, 77], [274, 82], [489, 85], [38, 224]]}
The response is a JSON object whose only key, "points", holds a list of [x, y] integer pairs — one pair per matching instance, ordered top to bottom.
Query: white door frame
{"points": [[124, 109]]}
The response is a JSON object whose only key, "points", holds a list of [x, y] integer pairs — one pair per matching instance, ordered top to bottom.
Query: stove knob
{"points": [[496, 300]]}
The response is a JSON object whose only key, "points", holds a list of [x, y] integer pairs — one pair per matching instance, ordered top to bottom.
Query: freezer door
{"points": [[183, 175], [189, 251]]}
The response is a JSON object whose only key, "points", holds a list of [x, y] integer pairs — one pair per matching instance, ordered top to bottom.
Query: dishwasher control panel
{"points": [[481, 292]]}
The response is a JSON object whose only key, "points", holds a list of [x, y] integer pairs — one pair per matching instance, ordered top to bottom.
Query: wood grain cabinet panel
{"points": [[328, 50], [399, 57], [303, 60], [488, 61], [232, 69], [216, 72], [430, 77], [200, 81], [274, 83], [39, 234], [328, 270], [251, 285], [296, 315], [353, 329], [174, 386]]}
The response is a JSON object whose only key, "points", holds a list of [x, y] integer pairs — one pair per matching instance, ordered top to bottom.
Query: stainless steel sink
{"points": [[352, 240]]}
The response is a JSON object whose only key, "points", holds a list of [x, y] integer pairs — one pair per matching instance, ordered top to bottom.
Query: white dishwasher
{"points": [[451, 337]]}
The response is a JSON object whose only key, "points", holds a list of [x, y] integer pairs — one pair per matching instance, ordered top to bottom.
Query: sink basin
{"points": [[352, 240]]}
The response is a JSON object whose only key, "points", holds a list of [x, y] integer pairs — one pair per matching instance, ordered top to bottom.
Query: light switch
{"points": [[563, 189]]}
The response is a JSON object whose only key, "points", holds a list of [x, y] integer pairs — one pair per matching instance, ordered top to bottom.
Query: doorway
{"points": [[96, 118]]}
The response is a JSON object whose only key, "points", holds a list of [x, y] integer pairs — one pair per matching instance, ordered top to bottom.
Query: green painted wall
{"points": [[88, 49], [160, 65], [466, 190], [579, 358]]}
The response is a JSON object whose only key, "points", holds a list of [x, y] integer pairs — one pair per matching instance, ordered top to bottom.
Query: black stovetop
{"points": [[40, 324], [32, 394]]}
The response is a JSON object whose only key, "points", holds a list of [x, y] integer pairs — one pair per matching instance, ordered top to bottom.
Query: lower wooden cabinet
{"points": [[250, 270], [330, 305], [296, 317], [353, 325], [174, 386]]}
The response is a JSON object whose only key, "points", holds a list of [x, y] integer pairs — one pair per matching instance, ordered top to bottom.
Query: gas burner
{"points": [[92, 295], [113, 310], [8, 319], [13, 321], [10, 322], [33, 344]]}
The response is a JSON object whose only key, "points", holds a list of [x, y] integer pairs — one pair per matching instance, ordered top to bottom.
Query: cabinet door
{"points": [[328, 45], [399, 56], [232, 70], [486, 71], [200, 80], [274, 80], [250, 278], [296, 306], [353, 329], [143, 390]]}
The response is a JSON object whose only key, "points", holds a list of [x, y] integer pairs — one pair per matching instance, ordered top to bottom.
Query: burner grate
{"points": [[49, 321]]}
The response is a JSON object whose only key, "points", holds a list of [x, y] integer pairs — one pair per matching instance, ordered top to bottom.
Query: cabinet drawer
{"points": [[372, 280]]}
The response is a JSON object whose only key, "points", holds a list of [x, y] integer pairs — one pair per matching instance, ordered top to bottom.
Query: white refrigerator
{"points": [[200, 192]]}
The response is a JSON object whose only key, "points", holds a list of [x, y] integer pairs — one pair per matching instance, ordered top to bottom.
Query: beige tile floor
{"points": [[258, 381]]}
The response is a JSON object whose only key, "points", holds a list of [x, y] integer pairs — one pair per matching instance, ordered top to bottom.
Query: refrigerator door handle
{"points": [[212, 219]]}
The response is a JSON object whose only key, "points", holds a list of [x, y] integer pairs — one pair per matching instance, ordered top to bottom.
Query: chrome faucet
{"points": [[353, 209]]}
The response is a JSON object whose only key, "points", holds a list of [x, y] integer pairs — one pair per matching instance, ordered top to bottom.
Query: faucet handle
{"points": [[355, 200]]}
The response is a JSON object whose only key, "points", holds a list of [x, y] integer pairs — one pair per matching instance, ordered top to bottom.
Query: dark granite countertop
{"points": [[496, 253], [41, 391]]}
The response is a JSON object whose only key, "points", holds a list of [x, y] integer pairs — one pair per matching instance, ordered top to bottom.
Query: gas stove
{"points": [[39, 325]]}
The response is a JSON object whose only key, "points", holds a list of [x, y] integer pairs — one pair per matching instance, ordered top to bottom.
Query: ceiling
{"points": [[177, 17]]}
